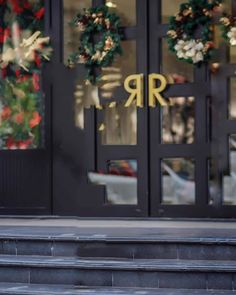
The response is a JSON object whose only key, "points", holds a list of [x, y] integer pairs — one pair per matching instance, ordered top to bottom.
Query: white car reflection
{"points": [[120, 190]]}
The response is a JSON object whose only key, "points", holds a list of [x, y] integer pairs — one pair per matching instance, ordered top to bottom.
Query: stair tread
{"points": [[170, 234], [118, 264], [20, 289]]}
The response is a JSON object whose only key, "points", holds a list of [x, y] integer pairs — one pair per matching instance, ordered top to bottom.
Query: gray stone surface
{"points": [[156, 257], [21, 289]]}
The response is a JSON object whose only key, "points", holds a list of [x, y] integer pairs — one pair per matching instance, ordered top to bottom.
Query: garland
{"points": [[192, 15], [229, 29], [23, 50], [96, 55]]}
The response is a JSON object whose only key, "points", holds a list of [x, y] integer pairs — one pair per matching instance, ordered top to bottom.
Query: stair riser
{"points": [[136, 250], [115, 278]]}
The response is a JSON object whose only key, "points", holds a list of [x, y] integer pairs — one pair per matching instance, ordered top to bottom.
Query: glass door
{"points": [[192, 140], [100, 164]]}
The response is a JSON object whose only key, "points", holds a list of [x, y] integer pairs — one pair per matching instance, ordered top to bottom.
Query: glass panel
{"points": [[227, 6], [169, 8], [125, 9], [71, 34], [217, 36], [232, 51], [124, 65], [175, 70], [86, 95], [232, 98], [21, 100], [178, 121], [120, 125], [178, 181], [229, 181], [120, 182], [214, 190]]}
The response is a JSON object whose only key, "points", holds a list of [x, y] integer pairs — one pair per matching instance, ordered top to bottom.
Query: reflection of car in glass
{"points": [[120, 183], [119, 189]]}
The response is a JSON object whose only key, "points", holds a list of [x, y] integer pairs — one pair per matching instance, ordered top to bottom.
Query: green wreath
{"points": [[193, 15], [97, 21], [229, 29]]}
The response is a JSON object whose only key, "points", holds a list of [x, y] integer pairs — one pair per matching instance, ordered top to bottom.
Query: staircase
{"points": [[188, 262]]}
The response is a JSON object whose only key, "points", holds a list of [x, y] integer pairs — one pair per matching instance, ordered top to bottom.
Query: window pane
{"points": [[169, 8], [125, 9], [71, 34], [232, 50], [124, 65], [175, 70], [86, 96], [21, 98], [232, 99], [178, 121], [120, 126], [178, 181], [229, 181], [120, 182], [214, 190]]}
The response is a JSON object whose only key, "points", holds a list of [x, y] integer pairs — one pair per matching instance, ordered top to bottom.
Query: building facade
{"points": [[98, 158]]}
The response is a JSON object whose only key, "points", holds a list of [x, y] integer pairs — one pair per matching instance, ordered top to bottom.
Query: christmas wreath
{"points": [[193, 15], [97, 22], [229, 29]]}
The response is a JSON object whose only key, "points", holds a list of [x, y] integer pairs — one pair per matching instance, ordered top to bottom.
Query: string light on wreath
{"points": [[192, 16], [97, 21], [229, 29]]}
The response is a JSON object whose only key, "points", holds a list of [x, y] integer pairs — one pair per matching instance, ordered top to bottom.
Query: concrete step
{"points": [[121, 247], [179, 274], [27, 289]]}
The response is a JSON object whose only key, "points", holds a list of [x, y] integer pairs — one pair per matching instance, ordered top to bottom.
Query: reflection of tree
{"points": [[85, 97], [178, 121], [120, 122]]}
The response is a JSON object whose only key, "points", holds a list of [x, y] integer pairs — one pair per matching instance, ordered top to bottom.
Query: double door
{"points": [[171, 161]]}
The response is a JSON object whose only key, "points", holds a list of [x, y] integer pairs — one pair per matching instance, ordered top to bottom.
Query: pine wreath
{"points": [[193, 15], [97, 21], [229, 29]]}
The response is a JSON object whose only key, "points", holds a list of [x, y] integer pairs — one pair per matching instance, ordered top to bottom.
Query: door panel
{"points": [[82, 149], [188, 157]]}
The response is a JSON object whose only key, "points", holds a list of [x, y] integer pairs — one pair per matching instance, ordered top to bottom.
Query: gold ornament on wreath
{"points": [[193, 15], [97, 21]]}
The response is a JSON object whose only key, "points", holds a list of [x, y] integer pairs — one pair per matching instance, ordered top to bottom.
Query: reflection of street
{"points": [[178, 121], [229, 181], [120, 190], [177, 190]]}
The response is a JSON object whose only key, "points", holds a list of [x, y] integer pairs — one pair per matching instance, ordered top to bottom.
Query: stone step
{"points": [[121, 247], [179, 274], [27, 289]]}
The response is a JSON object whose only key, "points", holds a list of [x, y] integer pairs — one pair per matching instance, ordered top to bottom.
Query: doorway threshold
{"points": [[50, 221]]}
